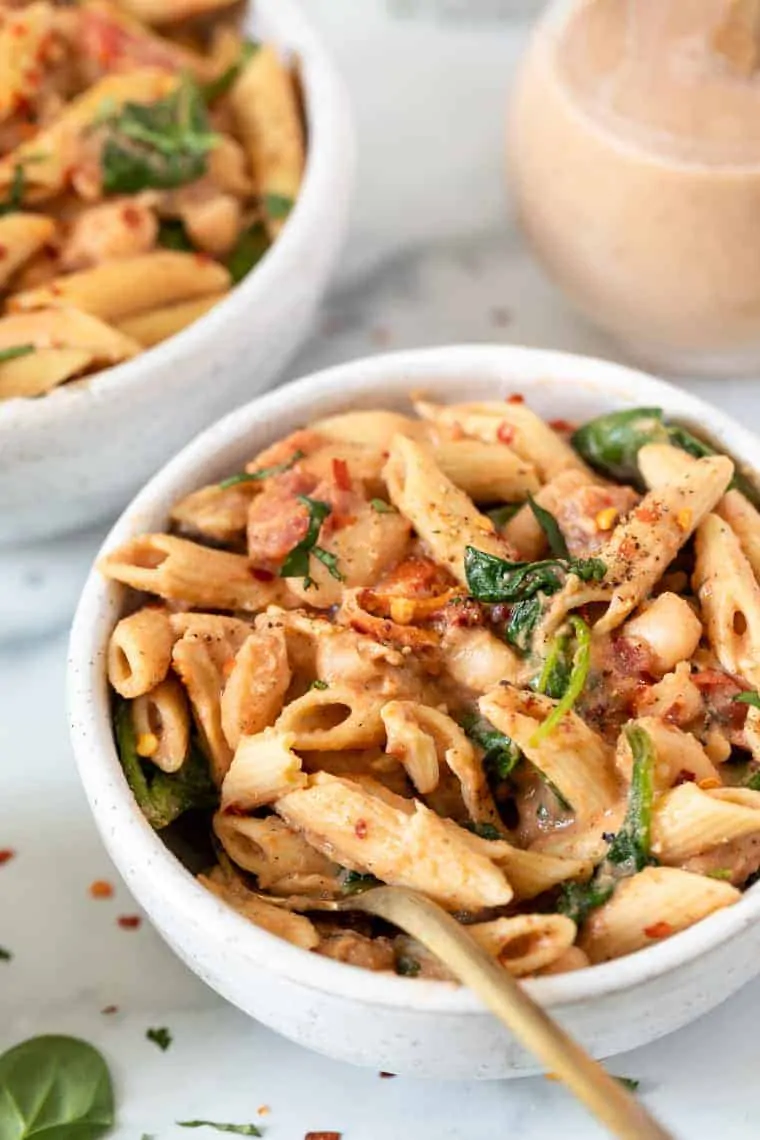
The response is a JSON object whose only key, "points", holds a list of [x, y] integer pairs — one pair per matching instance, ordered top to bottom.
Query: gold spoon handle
{"points": [[625, 1116]]}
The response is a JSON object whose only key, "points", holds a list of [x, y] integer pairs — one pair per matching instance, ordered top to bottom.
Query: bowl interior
{"points": [[556, 385]]}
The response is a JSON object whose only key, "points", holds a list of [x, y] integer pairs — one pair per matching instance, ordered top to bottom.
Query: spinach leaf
{"points": [[221, 85], [162, 145], [15, 200], [277, 206], [173, 235], [249, 249], [15, 352], [611, 444], [263, 472], [500, 516], [550, 527], [296, 565], [492, 579], [521, 623], [557, 668], [575, 682], [748, 698], [501, 753], [162, 797], [483, 830], [630, 849], [354, 882], [161, 1037], [56, 1087], [238, 1129]]}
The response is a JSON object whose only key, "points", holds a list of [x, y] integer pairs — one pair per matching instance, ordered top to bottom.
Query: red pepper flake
{"points": [[131, 217], [3, 251], [515, 398], [561, 425], [505, 433], [341, 475], [647, 514], [262, 575], [684, 777], [361, 830], [6, 854], [100, 889], [129, 921], [658, 930], [109, 1009], [386, 1076], [263, 1110], [323, 1136]]}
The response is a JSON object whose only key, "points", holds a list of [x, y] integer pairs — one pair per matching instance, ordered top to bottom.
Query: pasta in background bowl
{"points": [[174, 199], [516, 714]]}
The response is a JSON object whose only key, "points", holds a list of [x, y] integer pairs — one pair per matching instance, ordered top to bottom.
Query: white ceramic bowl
{"points": [[75, 457], [390, 1023]]}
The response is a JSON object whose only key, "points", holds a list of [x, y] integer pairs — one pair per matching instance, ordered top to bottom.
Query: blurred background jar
{"points": [[634, 148]]}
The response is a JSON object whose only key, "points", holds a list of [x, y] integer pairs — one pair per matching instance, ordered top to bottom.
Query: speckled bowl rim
{"points": [[330, 143], [133, 844]]}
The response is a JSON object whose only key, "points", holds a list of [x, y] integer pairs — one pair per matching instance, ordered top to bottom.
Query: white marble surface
{"points": [[433, 258]]}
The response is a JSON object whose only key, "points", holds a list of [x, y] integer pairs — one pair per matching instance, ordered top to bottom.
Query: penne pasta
{"points": [[21, 236], [149, 328], [730, 599], [140, 652], [527, 943]]}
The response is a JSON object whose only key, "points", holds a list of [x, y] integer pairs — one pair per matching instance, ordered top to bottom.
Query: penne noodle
{"points": [[21, 236], [158, 324], [41, 371], [140, 652], [527, 943]]}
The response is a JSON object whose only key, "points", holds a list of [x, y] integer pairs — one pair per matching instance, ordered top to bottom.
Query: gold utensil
{"points": [[610, 1102]]}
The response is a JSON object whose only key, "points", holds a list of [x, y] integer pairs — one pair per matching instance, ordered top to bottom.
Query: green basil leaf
{"points": [[221, 85], [162, 145], [277, 206], [173, 235], [249, 249], [15, 352], [263, 472], [550, 527], [329, 560], [296, 564], [748, 698], [162, 796], [54, 1088], [238, 1129]]}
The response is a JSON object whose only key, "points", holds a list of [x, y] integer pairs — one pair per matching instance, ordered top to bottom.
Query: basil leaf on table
{"points": [[160, 145], [162, 796], [54, 1088], [238, 1129]]}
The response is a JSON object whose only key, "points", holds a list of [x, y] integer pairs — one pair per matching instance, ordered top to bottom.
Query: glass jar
{"points": [[635, 157]]}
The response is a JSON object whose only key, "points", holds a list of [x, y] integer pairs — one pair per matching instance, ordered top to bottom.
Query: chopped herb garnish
{"points": [[221, 85], [163, 145], [15, 200], [277, 206], [173, 235], [249, 249], [15, 352], [262, 473], [382, 507], [500, 516], [550, 527], [296, 565], [575, 682], [321, 685], [748, 698], [502, 755], [753, 781], [162, 796], [483, 830], [630, 849], [720, 873], [354, 882], [5, 955], [407, 966], [161, 1037], [629, 1083], [238, 1129]]}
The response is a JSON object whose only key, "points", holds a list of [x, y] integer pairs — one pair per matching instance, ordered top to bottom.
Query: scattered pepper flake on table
{"points": [[6, 854], [100, 889], [129, 921], [109, 1009], [323, 1136]]}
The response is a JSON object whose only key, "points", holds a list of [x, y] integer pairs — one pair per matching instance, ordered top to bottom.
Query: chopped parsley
{"points": [[162, 145], [15, 352], [262, 473], [382, 507], [296, 565], [321, 685], [749, 698], [720, 873], [161, 1037]]}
